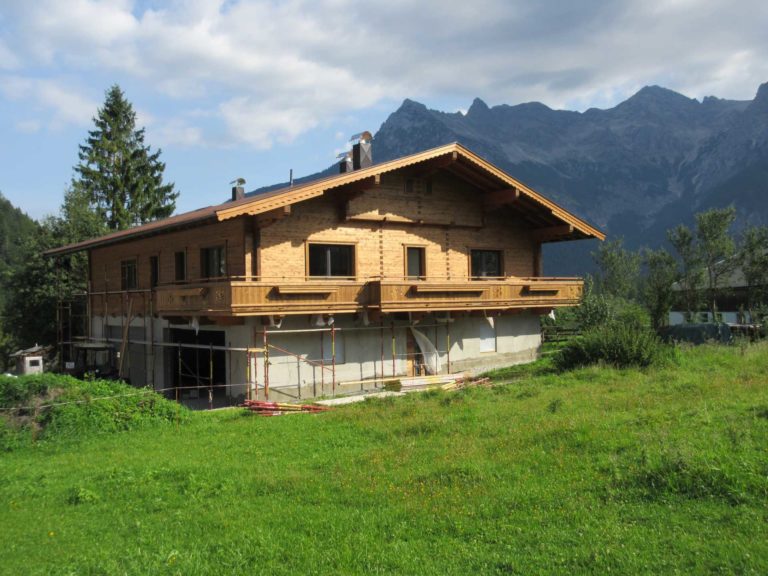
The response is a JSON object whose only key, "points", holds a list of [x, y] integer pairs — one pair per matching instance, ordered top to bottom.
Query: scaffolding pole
{"points": [[333, 358]]}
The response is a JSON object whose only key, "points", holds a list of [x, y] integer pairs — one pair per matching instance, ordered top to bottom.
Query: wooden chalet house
{"points": [[430, 263]]}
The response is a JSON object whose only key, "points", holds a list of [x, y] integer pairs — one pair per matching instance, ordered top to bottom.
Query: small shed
{"points": [[30, 361]]}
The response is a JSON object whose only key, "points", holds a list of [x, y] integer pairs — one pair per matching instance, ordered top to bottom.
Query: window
{"points": [[331, 260], [213, 262], [414, 262], [485, 263], [180, 266], [154, 271], [128, 275], [487, 335]]}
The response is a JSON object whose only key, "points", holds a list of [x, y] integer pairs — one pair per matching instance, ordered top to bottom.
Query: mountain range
{"points": [[634, 170]]}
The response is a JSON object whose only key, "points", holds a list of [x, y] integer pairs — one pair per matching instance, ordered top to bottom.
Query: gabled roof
{"points": [[452, 157]]}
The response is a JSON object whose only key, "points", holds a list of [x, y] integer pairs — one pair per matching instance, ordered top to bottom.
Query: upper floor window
{"points": [[331, 260], [415, 261], [213, 262], [486, 263], [180, 266], [154, 271], [128, 280]]}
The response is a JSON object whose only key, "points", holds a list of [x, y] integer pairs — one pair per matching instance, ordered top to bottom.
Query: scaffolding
{"points": [[256, 379]]}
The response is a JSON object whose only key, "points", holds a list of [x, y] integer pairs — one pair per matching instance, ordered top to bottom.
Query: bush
{"points": [[618, 344], [48, 406]]}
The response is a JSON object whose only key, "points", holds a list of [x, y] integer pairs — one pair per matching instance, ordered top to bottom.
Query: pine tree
{"points": [[122, 178]]}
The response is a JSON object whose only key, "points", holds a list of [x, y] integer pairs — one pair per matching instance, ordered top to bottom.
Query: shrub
{"points": [[617, 344], [48, 406]]}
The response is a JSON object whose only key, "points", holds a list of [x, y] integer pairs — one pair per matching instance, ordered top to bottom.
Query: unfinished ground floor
{"points": [[310, 356]]}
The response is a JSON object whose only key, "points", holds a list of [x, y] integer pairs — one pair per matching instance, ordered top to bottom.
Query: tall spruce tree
{"points": [[122, 178]]}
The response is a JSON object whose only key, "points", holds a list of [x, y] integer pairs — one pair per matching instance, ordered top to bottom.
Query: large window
{"points": [[331, 260], [213, 262], [486, 263], [180, 266], [415, 267], [128, 279]]}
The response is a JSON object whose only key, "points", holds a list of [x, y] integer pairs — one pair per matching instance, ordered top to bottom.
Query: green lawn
{"points": [[656, 472]]}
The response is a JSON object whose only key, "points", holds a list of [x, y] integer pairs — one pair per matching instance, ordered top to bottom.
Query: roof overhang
{"points": [[550, 221]]}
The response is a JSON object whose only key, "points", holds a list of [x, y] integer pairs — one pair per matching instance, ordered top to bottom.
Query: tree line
{"points": [[117, 183], [693, 276]]}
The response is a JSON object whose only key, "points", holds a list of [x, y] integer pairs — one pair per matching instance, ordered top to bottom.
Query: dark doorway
{"points": [[200, 371]]}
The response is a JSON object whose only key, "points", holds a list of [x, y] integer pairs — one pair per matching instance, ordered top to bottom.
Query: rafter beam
{"points": [[497, 198], [268, 218], [552, 232]]}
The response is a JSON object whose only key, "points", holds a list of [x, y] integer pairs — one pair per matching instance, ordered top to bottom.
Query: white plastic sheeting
{"points": [[428, 350]]}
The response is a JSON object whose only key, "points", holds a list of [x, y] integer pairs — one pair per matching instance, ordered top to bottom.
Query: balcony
{"points": [[499, 294], [313, 296], [248, 298]]}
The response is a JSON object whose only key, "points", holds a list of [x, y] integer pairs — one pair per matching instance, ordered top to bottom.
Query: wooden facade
{"points": [[253, 257]]}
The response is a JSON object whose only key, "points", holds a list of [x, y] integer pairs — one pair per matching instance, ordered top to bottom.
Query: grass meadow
{"points": [[594, 471]]}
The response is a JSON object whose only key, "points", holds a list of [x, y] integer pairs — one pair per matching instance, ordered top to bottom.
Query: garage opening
{"points": [[200, 369]]}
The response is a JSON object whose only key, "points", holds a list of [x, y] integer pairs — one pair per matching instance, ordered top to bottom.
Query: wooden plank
{"points": [[446, 288], [298, 289]]}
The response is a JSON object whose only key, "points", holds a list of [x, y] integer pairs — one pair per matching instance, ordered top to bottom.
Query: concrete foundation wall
{"points": [[362, 352]]}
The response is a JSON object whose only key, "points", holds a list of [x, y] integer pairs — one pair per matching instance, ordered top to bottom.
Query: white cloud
{"points": [[270, 71], [60, 103], [177, 132]]}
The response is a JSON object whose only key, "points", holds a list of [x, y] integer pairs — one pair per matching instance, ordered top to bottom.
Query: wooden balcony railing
{"points": [[328, 296], [407, 296], [241, 298]]}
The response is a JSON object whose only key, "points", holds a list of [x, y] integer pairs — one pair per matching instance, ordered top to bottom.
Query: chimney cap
{"points": [[362, 137]]}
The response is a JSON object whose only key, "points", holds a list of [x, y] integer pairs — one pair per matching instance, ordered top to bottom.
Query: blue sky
{"points": [[254, 88]]}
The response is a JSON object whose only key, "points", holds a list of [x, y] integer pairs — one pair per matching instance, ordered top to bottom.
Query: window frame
{"points": [[309, 243], [204, 251], [125, 265], [154, 270], [423, 272], [502, 273], [183, 277]]}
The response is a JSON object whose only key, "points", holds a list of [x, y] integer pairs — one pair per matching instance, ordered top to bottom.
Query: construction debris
{"points": [[467, 383], [281, 408]]}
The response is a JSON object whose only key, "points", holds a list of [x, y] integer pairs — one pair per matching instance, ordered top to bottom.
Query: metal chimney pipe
{"points": [[362, 150]]}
